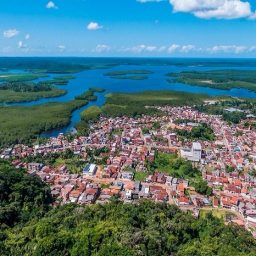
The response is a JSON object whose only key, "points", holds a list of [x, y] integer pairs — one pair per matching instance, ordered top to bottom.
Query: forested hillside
{"points": [[112, 229]]}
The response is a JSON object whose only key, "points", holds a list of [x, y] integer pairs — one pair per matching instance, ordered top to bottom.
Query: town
{"points": [[116, 154]]}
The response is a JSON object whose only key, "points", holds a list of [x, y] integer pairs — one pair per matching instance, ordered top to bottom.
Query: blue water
{"points": [[156, 81]]}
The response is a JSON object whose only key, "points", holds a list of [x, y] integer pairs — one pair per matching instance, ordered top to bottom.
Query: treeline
{"points": [[219, 79], [26, 86], [134, 104]]}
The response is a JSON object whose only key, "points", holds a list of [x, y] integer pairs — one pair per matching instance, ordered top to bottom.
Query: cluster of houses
{"points": [[227, 163]]}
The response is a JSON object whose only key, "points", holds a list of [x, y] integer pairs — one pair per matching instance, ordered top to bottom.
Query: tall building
{"points": [[194, 154]]}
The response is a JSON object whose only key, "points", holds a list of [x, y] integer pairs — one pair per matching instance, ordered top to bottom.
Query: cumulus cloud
{"points": [[149, 1], [51, 5], [219, 9], [94, 26], [10, 33], [21, 45], [61, 47], [100, 48], [144, 48], [173, 48], [177, 49], [233, 49]]}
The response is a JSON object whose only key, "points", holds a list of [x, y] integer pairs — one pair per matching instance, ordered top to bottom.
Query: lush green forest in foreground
{"points": [[29, 227]]}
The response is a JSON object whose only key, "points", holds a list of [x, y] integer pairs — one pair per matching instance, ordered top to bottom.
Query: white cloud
{"points": [[149, 1], [51, 5], [219, 9], [94, 26], [10, 33], [27, 36], [21, 45], [61, 47], [100, 48], [173, 48], [187, 48], [233, 49]]}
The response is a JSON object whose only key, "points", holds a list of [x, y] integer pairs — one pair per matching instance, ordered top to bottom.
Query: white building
{"points": [[194, 154], [90, 170]]}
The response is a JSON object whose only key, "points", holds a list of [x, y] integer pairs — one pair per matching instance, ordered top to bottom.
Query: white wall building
{"points": [[194, 154]]}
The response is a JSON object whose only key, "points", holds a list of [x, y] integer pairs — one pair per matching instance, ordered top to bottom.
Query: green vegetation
{"points": [[54, 65], [130, 74], [22, 77], [130, 77], [219, 79], [61, 80], [11, 92], [89, 95], [11, 96], [133, 104], [221, 108], [91, 114], [21, 124], [200, 132], [73, 162], [173, 165], [178, 167], [140, 176], [201, 186], [22, 196], [218, 213], [30, 227], [127, 230]]}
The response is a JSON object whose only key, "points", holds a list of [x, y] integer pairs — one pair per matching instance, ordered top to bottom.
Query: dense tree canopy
{"points": [[22, 196], [126, 229]]}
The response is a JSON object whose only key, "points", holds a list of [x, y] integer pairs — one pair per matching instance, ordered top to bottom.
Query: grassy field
{"points": [[219, 79], [140, 176], [218, 213]]}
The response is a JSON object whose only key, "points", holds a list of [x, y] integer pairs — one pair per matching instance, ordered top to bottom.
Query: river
{"points": [[156, 81]]}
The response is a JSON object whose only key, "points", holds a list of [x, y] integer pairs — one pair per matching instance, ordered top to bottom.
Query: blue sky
{"points": [[168, 28]]}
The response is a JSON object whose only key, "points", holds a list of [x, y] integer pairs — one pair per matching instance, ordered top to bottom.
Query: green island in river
{"points": [[129, 74], [218, 79], [22, 88]]}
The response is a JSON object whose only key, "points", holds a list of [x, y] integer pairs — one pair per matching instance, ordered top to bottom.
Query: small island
{"points": [[129, 74]]}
